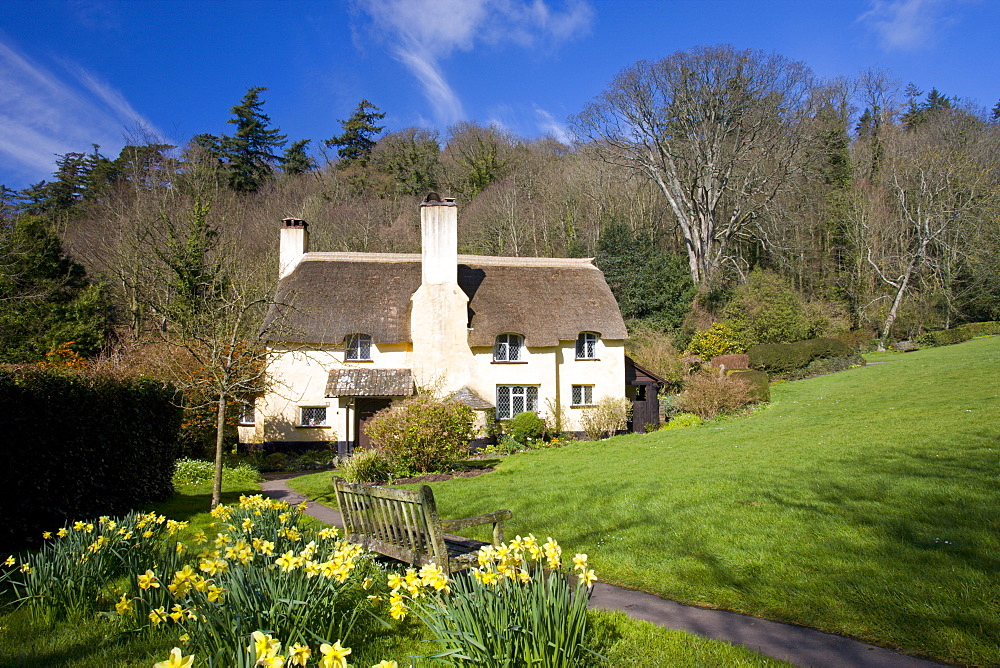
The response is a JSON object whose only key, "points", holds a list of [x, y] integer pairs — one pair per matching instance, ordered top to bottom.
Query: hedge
{"points": [[947, 337], [780, 358], [760, 384], [79, 445]]}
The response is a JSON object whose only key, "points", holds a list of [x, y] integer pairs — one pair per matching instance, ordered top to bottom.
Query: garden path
{"points": [[798, 645]]}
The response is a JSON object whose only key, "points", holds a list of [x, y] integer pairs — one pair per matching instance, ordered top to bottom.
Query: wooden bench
{"points": [[404, 525]]}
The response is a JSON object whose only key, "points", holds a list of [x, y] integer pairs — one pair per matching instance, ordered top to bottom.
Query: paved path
{"points": [[799, 645]]}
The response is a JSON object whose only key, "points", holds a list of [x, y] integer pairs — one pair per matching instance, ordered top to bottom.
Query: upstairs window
{"points": [[586, 346], [358, 348], [508, 348], [514, 399]]}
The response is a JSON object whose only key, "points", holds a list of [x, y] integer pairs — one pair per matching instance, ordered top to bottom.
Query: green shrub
{"points": [[766, 309], [947, 337], [719, 339], [781, 358], [760, 384], [710, 394], [669, 407], [609, 416], [682, 420], [525, 428], [422, 434], [81, 444], [275, 461], [366, 466], [196, 471]]}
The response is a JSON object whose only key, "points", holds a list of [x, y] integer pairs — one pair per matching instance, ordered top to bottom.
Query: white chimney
{"points": [[439, 241], [294, 243], [439, 317]]}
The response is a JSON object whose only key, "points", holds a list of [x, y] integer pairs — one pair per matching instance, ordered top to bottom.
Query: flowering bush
{"points": [[719, 339], [422, 434], [518, 607]]}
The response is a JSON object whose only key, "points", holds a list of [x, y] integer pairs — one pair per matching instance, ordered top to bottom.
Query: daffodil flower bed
{"points": [[264, 576], [518, 607]]}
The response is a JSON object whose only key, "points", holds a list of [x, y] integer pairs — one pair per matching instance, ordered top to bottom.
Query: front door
{"points": [[364, 409]]}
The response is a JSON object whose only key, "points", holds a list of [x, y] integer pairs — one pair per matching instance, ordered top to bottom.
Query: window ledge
{"points": [[588, 359], [367, 361], [510, 362], [582, 405], [246, 424], [312, 426]]}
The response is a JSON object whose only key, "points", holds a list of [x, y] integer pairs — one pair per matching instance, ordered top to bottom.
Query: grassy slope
{"points": [[862, 503]]}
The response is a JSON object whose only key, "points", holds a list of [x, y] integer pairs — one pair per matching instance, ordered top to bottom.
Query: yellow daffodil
{"points": [[302, 506], [247, 525], [62, 532], [328, 533], [46, 535], [180, 548], [10, 561], [288, 561], [580, 562], [27, 568], [589, 577], [148, 581], [395, 581], [366, 583], [215, 593], [124, 606], [397, 609], [176, 613], [158, 616], [185, 638], [264, 647], [298, 655], [334, 656], [176, 660], [386, 664]]}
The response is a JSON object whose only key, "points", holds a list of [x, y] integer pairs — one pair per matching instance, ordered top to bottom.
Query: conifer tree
{"points": [[359, 135], [250, 152], [296, 160]]}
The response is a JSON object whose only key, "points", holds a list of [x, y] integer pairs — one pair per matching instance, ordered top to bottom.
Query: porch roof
{"points": [[369, 383]]}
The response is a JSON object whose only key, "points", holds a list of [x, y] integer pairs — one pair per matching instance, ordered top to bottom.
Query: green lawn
{"points": [[862, 503]]}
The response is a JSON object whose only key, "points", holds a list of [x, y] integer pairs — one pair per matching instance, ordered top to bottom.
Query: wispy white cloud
{"points": [[906, 25], [424, 33], [44, 112], [548, 124]]}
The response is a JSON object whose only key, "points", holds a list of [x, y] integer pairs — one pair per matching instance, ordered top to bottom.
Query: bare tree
{"points": [[717, 130], [935, 186]]}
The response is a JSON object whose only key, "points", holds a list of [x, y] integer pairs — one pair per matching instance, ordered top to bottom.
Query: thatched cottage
{"points": [[352, 332]]}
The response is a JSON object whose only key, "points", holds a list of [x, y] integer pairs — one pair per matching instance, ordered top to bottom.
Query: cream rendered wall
{"points": [[538, 367], [298, 377]]}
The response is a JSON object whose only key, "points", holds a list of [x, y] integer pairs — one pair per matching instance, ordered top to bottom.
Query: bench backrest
{"points": [[399, 523]]}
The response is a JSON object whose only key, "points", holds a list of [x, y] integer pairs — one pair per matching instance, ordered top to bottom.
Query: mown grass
{"points": [[861, 503]]}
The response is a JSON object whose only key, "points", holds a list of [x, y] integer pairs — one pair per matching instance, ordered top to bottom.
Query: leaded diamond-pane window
{"points": [[586, 346], [358, 347], [508, 348], [583, 395], [514, 399], [246, 417], [313, 417]]}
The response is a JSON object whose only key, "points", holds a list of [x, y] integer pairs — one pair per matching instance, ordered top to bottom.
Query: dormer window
{"points": [[586, 346], [358, 348], [508, 348]]}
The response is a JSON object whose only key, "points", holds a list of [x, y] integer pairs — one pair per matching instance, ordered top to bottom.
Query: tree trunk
{"points": [[220, 427]]}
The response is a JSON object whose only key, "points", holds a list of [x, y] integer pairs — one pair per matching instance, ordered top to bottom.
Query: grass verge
{"points": [[861, 503]]}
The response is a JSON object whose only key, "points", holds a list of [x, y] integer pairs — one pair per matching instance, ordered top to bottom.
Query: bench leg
{"points": [[497, 533]]}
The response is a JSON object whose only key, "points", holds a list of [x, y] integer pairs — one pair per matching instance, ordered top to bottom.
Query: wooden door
{"points": [[364, 410]]}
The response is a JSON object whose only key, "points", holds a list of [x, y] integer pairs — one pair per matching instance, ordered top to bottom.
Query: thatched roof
{"points": [[547, 300]]}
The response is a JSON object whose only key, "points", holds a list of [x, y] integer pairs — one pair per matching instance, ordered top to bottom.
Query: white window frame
{"points": [[586, 346], [358, 348], [507, 348], [527, 393], [582, 395], [313, 422]]}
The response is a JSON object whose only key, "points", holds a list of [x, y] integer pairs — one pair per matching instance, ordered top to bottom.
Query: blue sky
{"points": [[78, 72]]}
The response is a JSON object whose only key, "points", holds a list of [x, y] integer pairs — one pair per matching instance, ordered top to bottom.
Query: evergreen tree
{"points": [[995, 113], [359, 134], [249, 153], [296, 160], [649, 284], [46, 299]]}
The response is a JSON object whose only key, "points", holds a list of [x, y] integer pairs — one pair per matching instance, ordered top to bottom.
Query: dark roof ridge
{"points": [[482, 260]]}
